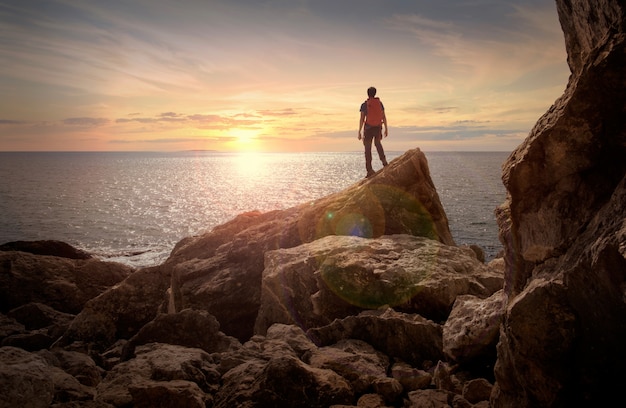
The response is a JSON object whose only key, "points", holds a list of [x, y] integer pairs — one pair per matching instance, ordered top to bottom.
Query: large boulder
{"points": [[564, 230], [50, 247], [221, 271], [337, 276], [62, 283], [121, 311], [189, 328], [472, 330], [410, 338], [355, 360], [173, 375], [24, 377], [31, 380]]}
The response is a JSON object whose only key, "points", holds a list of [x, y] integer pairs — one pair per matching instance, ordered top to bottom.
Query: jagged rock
{"points": [[564, 231], [49, 247], [221, 270], [338, 276], [61, 283], [120, 312], [39, 316], [10, 326], [42, 326], [189, 328], [472, 329], [294, 336], [410, 338], [31, 341], [355, 360], [78, 365], [24, 377], [410, 377], [27, 379], [444, 379], [281, 380], [133, 381], [287, 382], [67, 388], [389, 388], [477, 390], [168, 394], [430, 399], [368, 401], [459, 402], [82, 404]]}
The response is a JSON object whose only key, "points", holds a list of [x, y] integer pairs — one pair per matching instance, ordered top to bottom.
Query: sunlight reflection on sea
{"points": [[134, 207]]}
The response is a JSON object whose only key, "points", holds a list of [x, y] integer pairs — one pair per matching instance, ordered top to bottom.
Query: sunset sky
{"points": [[274, 75]]}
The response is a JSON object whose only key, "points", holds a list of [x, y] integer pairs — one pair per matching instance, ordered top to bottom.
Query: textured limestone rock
{"points": [[564, 229], [337, 276], [62, 283], [121, 311], [189, 328], [472, 330], [410, 338], [355, 360], [160, 369], [24, 377], [411, 378], [283, 381]]}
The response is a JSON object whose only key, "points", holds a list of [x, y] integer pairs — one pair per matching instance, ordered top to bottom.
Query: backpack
{"points": [[374, 116]]}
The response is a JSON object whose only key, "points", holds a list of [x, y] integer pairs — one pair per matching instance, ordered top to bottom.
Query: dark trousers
{"points": [[373, 133]]}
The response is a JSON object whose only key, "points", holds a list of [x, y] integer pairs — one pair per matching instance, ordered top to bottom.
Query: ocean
{"points": [[133, 207]]}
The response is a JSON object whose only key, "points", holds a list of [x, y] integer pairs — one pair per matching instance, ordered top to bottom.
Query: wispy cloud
{"points": [[526, 39], [85, 121]]}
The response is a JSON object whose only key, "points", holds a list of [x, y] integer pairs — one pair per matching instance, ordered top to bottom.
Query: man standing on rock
{"points": [[373, 116]]}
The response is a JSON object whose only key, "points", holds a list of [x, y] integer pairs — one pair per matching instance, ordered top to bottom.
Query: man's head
{"points": [[371, 92]]}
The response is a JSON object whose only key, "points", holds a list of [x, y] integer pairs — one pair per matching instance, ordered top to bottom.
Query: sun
{"points": [[244, 139]]}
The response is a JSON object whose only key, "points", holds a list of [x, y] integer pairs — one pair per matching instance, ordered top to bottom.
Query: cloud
{"points": [[279, 112], [169, 115], [139, 120], [85, 121], [12, 122], [158, 141]]}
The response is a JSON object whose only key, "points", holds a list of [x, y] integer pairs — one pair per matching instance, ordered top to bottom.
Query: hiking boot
{"points": [[370, 174]]}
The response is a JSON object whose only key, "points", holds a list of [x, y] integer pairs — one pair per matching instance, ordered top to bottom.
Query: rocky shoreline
{"points": [[361, 298], [274, 309]]}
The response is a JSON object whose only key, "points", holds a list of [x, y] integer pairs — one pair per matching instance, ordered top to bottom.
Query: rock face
{"points": [[564, 229]]}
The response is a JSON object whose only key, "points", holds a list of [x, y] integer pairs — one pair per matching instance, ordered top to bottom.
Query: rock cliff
{"points": [[564, 231]]}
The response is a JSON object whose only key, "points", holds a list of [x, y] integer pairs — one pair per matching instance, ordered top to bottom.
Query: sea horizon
{"points": [[133, 207]]}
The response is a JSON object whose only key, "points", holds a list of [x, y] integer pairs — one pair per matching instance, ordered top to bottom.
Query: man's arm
{"points": [[361, 123], [385, 123]]}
